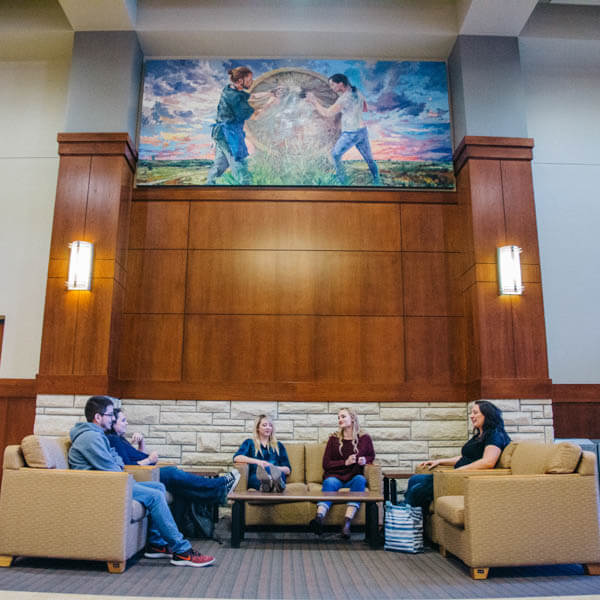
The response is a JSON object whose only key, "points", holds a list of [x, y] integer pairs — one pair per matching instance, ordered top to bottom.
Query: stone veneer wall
{"points": [[206, 434]]}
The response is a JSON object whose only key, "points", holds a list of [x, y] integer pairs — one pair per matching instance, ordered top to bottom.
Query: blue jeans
{"points": [[360, 139], [225, 160], [332, 484], [193, 487], [419, 491], [162, 528]]}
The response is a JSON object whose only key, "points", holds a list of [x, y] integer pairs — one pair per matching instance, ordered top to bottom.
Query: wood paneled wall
{"points": [[297, 294], [255, 299], [81, 333], [506, 338], [17, 412]]}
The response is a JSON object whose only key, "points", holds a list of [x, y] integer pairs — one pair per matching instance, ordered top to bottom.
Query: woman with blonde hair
{"points": [[346, 454], [266, 456]]}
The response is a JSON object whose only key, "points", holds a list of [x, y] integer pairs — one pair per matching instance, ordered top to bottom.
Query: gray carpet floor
{"points": [[296, 565]]}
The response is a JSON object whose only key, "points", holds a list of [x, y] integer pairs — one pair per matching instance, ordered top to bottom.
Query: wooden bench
{"points": [[238, 525]]}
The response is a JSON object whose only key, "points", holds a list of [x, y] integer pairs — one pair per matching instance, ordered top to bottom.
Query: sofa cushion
{"points": [[45, 453], [295, 453], [506, 456], [529, 458], [563, 458], [314, 462], [451, 509], [138, 512]]}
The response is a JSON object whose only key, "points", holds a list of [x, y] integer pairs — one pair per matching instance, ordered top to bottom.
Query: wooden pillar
{"points": [[81, 329], [506, 336]]}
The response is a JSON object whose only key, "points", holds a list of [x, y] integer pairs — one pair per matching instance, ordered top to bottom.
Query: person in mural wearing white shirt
{"points": [[351, 104]]}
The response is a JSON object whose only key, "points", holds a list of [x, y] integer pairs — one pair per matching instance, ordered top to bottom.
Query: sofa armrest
{"points": [[419, 470], [143, 472], [374, 478], [452, 482], [242, 485], [84, 513], [509, 519]]}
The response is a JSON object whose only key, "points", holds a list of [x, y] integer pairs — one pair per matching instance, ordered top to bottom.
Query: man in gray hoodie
{"points": [[90, 450]]}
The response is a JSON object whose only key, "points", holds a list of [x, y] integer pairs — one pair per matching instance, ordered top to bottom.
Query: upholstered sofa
{"points": [[306, 460], [539, 506], [47, 510]]}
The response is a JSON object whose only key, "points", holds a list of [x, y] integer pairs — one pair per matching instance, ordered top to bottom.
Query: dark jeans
{"points": [[193, 487], [419, 491]]}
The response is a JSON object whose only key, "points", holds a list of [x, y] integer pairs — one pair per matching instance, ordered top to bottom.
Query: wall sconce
{"points": [[80, 266], [509, 270]]}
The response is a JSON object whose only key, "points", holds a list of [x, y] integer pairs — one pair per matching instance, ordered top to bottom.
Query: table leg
{"points": [[386, 489], [394, 491], [237, 523], [371, 524]]}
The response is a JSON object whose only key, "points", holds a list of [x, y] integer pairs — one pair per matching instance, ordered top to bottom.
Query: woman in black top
{"points": [[482, 451]]}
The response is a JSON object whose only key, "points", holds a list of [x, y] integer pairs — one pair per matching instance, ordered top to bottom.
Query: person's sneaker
{"points": [[232, 479], [266, 481], [278, 481], [157, 552], [191, 558]]}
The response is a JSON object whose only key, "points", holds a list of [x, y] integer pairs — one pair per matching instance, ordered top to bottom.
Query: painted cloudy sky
{"points": [[408, 116]]}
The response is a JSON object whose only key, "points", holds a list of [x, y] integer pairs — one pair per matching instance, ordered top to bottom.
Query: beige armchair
{"points": [[540, 507], [47, 510]]}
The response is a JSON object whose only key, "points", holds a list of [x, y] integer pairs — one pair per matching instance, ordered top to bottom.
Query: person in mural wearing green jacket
{"points": [[233, 111]]}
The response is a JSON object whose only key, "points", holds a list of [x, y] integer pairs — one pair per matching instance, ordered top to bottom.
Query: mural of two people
{"points": [[287, 122]]}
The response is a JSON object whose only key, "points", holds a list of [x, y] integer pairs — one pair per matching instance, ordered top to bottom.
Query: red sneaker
{"points": [[157, 552], [191, 558]]}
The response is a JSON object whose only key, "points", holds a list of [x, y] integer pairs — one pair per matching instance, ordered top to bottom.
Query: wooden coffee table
{"points": [[238, 519]]}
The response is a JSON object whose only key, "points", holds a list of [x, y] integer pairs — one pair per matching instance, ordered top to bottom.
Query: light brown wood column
{"points": [[81, 331], [506, 337]]}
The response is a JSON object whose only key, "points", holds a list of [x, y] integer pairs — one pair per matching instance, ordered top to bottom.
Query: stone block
{"points": [[56, 401], [81, 401], [543, 401], [127, 402], [462, 405], [506, 405], [222, 407], [302, 407], [361, 408], [251, 410], [62, 411], [548, 411], [448, 413], [142, 414], [398, 414], [185, 418], [517, 418], [326, 420], [376, 422], [542, 422], [234, 424], [58, 425], [282, 427], [219, 429], [531, 429], [439, 430], [306, 433], [389, 433], [182, 437], [528, 437], [233, 439], [208, 442], [446, 443], [412, 447], [167, 451], [206, 458], [387, 460]]}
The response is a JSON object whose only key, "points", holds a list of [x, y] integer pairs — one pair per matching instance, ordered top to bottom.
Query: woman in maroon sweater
{"points": [[347, 452]]}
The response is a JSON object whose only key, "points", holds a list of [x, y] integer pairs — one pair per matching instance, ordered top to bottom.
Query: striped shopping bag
{"points": [[403, 528]]}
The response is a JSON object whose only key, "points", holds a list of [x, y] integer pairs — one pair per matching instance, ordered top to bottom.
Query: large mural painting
{"points": [[286, 122]]}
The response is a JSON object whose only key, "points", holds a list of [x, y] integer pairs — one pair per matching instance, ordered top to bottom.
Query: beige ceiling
{"points": [[336, 28]]}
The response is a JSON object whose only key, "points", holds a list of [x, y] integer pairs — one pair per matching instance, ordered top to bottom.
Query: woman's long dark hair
{"points": [[341, 78], [118, 411], [492, 417]]}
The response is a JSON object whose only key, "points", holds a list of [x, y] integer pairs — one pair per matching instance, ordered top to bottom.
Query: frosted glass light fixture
{"points": [[80, 265], [509, 270]]}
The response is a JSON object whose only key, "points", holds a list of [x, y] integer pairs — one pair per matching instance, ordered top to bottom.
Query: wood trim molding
{"points": [[102, 144], [494, 148], [233, 194], [78, 384], [18, 388], [509, 388], [576, 393]]}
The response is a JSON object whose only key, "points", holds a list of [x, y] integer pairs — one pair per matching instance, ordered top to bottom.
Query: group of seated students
{"points": [[100, 444]]}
